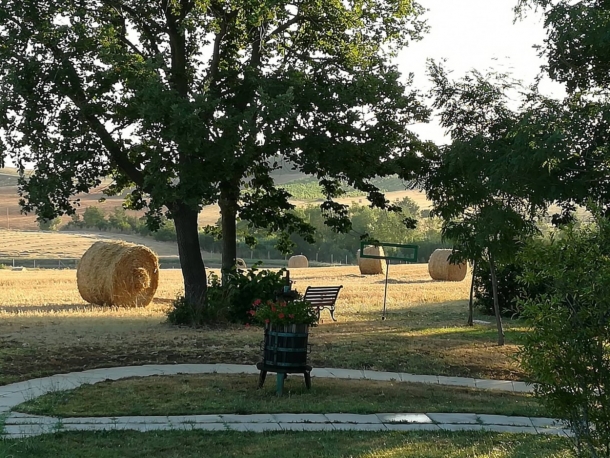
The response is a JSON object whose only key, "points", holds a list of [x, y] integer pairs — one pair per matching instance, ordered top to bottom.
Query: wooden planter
{"points": [[285, 346], [285, 351]]}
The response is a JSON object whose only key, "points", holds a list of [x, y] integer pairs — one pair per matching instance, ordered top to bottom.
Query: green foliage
{"points": [[577, 48], [119, 89], [310, 189], [94, 217], [48, 225], [166, 232], [511, 291], [231, 300], [296, 311], [184, 313], [567, 353]]}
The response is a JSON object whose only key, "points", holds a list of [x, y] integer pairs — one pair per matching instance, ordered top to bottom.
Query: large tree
{"points": [[184, 103]]}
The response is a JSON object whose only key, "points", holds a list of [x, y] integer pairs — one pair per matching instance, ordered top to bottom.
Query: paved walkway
{"points": [[18, 425]]}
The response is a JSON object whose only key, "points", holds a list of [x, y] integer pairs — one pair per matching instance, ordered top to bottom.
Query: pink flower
{"points": [[257, 302], [283, 304], [273, 309], [252, 312], [281, 316], [291, 316], [267, 321], [247, 325]]}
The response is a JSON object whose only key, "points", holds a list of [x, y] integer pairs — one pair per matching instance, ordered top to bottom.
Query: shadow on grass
{"points": [[421, 339]]}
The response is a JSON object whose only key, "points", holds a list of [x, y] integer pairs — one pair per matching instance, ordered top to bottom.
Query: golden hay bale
{"points": [[298, 261], [240, 263], [372, 266], [440, 268], [118, 273]]}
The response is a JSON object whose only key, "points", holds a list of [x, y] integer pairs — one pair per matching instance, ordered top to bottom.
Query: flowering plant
{"points": [[280, 312]]}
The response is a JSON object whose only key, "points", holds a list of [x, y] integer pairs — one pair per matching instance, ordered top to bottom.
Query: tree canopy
{"points": [[188, 102]]}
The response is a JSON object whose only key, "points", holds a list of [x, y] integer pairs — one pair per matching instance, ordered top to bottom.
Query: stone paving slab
{"points": [[321, 373], [346, 374], [382, 376], [413, 378], [456, 381], [497, 385], [522, 387], [255, 418], [300, 418], [353, 418], [403, 418], [462, 418], [178, 419], [30, 420], [505, 420], [547, 422], [307, 426], [261, 427], [360, 427], [413, 427], [462, 427], [512, 429], [554, 432]]}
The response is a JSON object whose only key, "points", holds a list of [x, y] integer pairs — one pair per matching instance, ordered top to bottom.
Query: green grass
{"points": [[202, 394], [174, 444]]}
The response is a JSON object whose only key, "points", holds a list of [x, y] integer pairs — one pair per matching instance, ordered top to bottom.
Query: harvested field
{"points": [[35, 244], [46, 328]]}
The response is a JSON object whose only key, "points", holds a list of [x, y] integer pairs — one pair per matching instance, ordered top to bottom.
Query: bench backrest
{"points": [[322, 295]]}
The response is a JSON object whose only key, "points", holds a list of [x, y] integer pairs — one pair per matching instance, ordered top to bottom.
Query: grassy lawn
{"points": [[46, 328], [201, 394], [290, 444]]}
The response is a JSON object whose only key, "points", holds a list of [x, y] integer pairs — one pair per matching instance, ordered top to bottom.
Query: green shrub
{"points": [[49, 224], [243, 287], [510, 290], [231, 301], [567, 351]]}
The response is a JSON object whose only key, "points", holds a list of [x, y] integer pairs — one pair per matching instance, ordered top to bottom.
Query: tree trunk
{"points": [[228, 203], [193, 269], [494, 287], [471, 301]]}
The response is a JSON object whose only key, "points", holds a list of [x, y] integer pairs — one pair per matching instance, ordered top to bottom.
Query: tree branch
{"points": [[79, 98]]}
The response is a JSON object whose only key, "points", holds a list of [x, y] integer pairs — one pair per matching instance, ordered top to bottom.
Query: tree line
{"points": [[328, 245]]}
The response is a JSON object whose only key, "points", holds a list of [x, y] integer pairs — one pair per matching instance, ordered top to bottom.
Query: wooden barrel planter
{"points": [[285, 346], [285, 351]]}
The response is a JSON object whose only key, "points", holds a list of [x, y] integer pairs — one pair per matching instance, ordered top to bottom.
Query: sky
{"points": [[476, 34]]}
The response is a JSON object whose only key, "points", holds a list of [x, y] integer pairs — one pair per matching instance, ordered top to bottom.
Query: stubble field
{"points": [[45, 328]]}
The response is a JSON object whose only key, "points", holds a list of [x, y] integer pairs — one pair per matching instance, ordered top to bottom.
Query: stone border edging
{"points": [[18, 425]]}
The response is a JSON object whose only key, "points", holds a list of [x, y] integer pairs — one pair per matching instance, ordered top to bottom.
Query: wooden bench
{"points": [[323, 297]]}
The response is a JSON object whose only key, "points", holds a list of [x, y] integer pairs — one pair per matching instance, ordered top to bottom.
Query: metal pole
{"points": [[385, 294]]}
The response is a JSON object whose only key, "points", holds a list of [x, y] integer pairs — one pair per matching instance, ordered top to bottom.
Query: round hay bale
{"points": [[297, 262], [240, 264], [372, 266], [440, 268], [118, 273]]}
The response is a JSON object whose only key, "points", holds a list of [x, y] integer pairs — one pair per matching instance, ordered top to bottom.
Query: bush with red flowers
{"points": [[298, 311]]}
